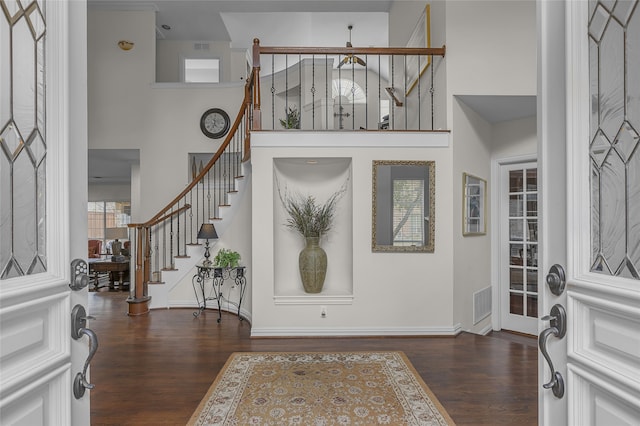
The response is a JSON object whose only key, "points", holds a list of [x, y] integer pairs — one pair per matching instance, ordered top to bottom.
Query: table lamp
{"points": [[207, 231], [116, 234]]}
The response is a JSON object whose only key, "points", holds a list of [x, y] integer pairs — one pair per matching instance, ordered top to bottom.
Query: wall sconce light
{"points": [[125, 44], [207, 231]]}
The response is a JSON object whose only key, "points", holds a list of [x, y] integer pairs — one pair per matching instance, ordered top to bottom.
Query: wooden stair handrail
{"points": [[379, 51], [391, 92], [203, 173], [167, 216]]}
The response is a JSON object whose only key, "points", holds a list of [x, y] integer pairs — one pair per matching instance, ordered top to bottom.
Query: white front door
{"points": [[589, 121], [43, 175]]}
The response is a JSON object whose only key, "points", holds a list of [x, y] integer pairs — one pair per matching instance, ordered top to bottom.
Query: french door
{"points": [[588, 126], [519, 247]]}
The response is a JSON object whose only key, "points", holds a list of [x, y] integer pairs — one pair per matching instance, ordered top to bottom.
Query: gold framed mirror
{"points": [[403, 206], [474, 214]]}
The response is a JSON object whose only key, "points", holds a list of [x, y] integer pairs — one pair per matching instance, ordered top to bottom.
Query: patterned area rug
{"points": [[319, 388]]}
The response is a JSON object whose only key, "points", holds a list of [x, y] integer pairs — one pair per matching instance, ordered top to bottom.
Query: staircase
{"points": [[166, 248], [184, 265]]}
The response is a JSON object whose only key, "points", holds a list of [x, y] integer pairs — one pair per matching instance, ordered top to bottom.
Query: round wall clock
{"points": [[215, 123]]}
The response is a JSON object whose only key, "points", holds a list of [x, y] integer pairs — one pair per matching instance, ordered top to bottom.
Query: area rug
{"points": [[319, 388]]}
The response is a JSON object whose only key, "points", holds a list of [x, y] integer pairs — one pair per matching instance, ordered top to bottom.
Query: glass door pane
{"points": [[523, 242]]}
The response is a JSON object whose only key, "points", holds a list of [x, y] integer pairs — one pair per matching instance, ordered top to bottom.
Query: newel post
{"points": [[256, 116], [138, 299]]}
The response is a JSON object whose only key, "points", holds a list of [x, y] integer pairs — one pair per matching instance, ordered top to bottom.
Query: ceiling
{"points": [[218, 20], [496, 109]]}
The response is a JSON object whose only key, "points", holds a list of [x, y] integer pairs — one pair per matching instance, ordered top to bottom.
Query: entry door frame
{"points": [[496, 233], [40, 357], [598, 357]]}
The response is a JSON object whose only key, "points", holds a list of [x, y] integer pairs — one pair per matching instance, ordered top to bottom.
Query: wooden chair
{"points": [[95, 248]]}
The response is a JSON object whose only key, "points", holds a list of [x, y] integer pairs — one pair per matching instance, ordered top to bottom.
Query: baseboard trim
{"points": [[190, 304], [486, 330], [354, 331]]}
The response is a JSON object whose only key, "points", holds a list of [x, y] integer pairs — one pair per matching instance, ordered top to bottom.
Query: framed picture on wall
{"points": [[474, 214]]}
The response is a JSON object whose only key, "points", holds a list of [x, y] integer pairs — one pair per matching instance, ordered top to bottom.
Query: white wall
{"points": [[491, 47], [491, 50], [169, 54], [127, 110], [514, 138], [109, 192], [472, 254], [390, 293]]}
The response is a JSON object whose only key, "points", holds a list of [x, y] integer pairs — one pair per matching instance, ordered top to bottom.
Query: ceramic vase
{"points": [[313, 266]]}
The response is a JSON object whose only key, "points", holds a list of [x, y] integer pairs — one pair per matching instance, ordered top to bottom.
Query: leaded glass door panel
{"points": [[38, 192]]}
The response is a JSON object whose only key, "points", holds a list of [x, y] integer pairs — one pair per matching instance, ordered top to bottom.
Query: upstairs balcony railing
{"points": [[349, 88], [377, 89]]}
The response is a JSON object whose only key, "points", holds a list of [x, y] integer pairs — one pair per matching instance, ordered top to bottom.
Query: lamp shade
{"points": [[207, 232], [116, 234]]}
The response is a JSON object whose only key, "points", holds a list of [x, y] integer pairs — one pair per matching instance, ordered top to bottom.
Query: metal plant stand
{"points": [[217, 276]]}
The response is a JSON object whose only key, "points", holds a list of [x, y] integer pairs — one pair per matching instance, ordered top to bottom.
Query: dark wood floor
{"points": [[155, 369]]}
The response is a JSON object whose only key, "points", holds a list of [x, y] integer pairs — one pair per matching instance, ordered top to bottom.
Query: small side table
{"points": [[217, 276]]}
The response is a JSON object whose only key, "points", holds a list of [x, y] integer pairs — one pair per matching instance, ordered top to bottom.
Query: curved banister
{"points": [[208, 166]]}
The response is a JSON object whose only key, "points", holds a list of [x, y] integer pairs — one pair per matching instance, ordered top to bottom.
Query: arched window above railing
{"points": [[349, 90]]}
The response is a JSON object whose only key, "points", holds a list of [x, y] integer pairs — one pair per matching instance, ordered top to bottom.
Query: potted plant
{"points": [[292, 120], [312, 221], [226, 259]]}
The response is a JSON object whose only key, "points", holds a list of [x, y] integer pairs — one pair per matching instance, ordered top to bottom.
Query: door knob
{"points": [[556, 279]]}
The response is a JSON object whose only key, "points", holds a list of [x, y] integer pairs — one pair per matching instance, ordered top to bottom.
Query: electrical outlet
{"points": [[323, 311]]}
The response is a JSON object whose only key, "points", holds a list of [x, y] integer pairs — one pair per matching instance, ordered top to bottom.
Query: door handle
{"points": [[558, 327], [78, 329]]}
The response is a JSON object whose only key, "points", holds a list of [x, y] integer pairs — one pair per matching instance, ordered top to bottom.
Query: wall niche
{"points": [[319, 177]]}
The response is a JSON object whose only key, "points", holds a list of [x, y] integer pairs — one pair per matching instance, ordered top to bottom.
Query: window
{"points": [[201, 70], [349, 90], [408, 212], [107, 214]]}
